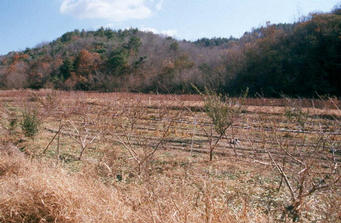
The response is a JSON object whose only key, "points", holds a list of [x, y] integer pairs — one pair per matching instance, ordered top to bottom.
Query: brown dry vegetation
{"points": [[114, 157]]}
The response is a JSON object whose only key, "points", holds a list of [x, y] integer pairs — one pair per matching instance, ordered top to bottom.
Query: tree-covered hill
{"points": [[300, 59], [108, 60]]}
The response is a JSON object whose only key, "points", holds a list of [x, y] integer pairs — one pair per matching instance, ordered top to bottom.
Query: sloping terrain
{"points": [[300, 59]]}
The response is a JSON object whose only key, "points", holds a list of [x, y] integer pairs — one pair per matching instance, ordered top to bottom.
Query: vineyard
{"points": [[183, 158]]}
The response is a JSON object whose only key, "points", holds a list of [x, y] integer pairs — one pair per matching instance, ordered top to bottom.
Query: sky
{"points": [[28, 23]]}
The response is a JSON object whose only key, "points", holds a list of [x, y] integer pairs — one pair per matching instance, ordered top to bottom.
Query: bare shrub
{"points": [[295, 113], [83, 135], [141, 148], [308, 168], [305, 177]]}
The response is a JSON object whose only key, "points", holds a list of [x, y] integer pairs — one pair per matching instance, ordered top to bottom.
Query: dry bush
{"points": [[222, 112], [140, 148], [308, 165], [33, 192]]}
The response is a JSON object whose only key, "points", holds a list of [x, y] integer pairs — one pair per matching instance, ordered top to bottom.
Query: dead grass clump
{"points": [[7, 167], [34, 192]]}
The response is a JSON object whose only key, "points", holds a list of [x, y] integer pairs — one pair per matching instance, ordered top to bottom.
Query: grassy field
{"points": [[122, 157]]}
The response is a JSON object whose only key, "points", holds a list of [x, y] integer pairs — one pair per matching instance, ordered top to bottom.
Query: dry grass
{"points": [[176, 183], [32, 191]]}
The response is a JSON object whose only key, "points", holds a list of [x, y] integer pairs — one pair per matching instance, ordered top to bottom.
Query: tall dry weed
{"points": [[34, 192]]}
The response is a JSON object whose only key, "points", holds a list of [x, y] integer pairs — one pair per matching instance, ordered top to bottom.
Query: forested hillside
{"points": [[300, 59]]}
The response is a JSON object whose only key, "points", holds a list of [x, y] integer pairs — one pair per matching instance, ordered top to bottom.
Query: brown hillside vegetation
{"points": [[299, 59], [123, 157]]}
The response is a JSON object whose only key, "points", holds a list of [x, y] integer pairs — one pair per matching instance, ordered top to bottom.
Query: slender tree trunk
{"points": [[81, 153], [211, 154]]}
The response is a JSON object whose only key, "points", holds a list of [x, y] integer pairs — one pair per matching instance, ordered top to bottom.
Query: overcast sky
{"points": [[26, 23]]}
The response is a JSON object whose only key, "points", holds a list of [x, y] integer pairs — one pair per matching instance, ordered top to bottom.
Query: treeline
{"points": [[300, 59]]}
